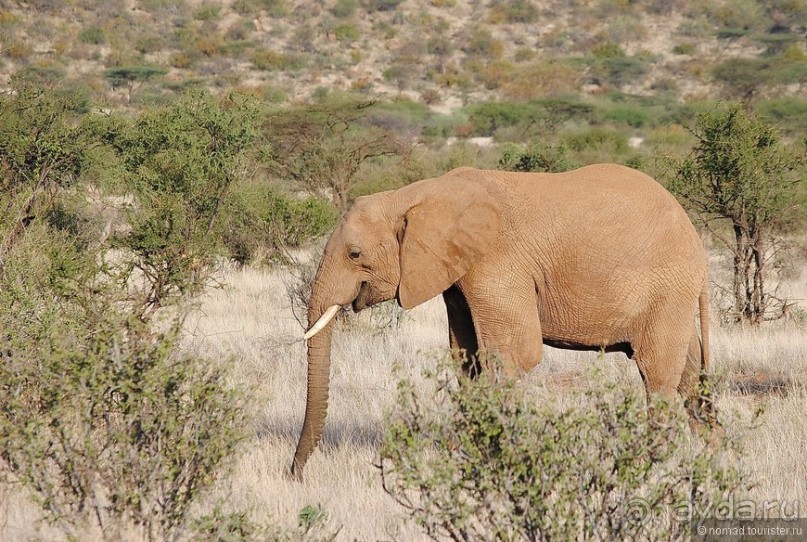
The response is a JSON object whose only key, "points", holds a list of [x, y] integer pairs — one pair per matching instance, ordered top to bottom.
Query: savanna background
{"points": [[168, 173]]}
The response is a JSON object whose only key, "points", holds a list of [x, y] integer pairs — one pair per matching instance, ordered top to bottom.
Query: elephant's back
{"points": [[612, 211]]}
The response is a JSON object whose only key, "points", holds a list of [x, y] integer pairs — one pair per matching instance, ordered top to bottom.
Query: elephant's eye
{"points": [[354, 253]]}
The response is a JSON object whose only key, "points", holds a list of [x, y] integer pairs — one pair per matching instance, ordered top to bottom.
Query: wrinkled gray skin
{"points": [[600, 258]]}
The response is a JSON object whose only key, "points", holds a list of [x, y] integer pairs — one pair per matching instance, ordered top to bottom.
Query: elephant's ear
{"points": [[454, 225]]}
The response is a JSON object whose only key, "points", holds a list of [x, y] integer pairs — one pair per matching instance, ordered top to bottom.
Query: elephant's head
{"points": [[410, 245]]}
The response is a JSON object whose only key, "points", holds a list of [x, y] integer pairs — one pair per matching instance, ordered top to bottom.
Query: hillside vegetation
{"points": [[445, 53]]}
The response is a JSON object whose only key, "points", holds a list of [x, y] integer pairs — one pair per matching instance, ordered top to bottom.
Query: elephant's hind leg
{"points": [[461, 333], [661, 356], [695, 387]]}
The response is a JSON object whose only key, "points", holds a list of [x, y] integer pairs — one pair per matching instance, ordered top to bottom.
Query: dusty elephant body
{"points": [[602, 257]]}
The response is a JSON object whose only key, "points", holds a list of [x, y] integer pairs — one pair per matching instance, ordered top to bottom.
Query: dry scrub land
{"points": [[251, 321]]}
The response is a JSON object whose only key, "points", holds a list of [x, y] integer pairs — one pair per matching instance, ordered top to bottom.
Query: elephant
{"points": [[600, 258]]}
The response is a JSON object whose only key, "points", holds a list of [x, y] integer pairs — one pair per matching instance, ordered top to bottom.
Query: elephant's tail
{"points": [[703, 306]]}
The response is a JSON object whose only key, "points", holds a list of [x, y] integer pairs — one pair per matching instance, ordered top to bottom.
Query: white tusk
{"points": [[326, 317]]}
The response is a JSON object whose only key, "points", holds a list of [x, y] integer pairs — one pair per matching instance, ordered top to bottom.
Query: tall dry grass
{"points": [[250, 323]]}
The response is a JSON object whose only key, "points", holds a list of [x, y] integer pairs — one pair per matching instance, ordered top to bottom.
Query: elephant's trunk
{"points": [[316, 406]]}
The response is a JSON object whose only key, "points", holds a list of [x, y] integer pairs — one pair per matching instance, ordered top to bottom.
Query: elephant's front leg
{"points": [[505, 315], [461, 333]]}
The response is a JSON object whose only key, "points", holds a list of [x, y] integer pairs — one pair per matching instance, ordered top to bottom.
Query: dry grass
{"points": [[250, 322]]}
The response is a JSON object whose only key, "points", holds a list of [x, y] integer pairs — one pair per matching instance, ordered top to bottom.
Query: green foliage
{"points": [[381, 5], [344, 8], [207, 11], [513, 11], [743, 15], [346, 32], [94, 35], [481, 43], [684, 48], [608, 50], [274, 61], [619, 70], [44, 72], [130, 74], [744, 77], [537, 80], [788, 113], [631, 116], [486, 118], [603, 139], [324, 146], [43, 151], [538, 156], [182, 160], [739, 171], [259, 224], [101, 418], [104, 420], [107, 423], [480, 460], [310, 516], [220, 526]]}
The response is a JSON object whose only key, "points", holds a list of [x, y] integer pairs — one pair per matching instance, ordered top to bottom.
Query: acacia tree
{"points": [[130, 76], [323, 146], [43, 149], [181, 161], [740, 173]]}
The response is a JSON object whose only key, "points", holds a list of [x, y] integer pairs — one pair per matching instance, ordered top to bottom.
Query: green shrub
{"points": [[381, 5], [344, 8], [207, 11], [513, 11], [745, 15], [346, 32], [94, 35], [481, 43], [148, 44], [684, 48], [608, 50], [274, 61], [620, 70], [42, 73], [743, 77], [540, 80], [274, 94], [789, 113], [632, 116], [486, 118], [602, 139], [323, 147], [44, 149], [540, 157], [181, 162], [742, 175], [258, 224], [103, 420], [107, 424], [481, 460], [221, 526]]}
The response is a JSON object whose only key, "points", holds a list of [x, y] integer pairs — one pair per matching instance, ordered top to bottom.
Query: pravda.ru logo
{"points": [[739, 509], [640, 510]]}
